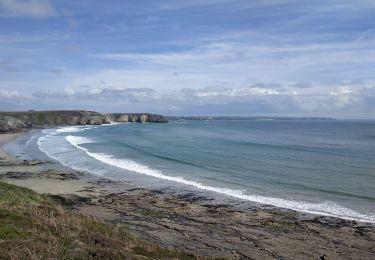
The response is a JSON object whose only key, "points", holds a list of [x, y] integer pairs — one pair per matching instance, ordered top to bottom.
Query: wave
{"points": [[73, 129], [69, 130], [43, 140], [77, 140], [28, 142], [164, 157], [327, 208]]}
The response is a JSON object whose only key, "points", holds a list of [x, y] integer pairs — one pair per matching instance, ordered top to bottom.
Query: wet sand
{"points": [[4, 138], [195, 223]]}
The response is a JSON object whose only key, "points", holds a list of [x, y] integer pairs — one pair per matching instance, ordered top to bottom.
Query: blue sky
{"points": [[213, 57]]}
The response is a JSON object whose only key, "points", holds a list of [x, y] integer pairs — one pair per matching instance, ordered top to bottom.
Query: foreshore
{"points": [[4, 138], [192, 222]]}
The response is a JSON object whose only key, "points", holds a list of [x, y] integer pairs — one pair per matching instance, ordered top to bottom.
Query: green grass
{"points": [[32, 226]]}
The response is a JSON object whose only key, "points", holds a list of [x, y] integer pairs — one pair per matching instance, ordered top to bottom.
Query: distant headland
{"points": [[11, 122]]}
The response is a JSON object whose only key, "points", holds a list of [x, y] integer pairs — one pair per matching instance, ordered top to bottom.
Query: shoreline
{"points": [[6, 138], [201, 192], [228, 195], [192, 222]]}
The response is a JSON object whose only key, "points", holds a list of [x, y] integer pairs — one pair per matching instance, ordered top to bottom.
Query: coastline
{"points": [[5, 138], [192, 222]]}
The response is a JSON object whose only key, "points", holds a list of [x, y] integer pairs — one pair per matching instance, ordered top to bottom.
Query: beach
{"points": [[4, 138], [192, 222]]}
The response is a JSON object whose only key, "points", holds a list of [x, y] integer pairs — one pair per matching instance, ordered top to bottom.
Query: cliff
{"points": [[138, 117], [17, 121], [10, 124]]}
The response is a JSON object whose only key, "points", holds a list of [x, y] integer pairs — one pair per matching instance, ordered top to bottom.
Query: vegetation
{"points": [[33, 226]]}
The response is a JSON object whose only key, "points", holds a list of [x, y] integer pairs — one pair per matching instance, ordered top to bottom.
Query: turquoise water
{"points": [[324, 167]]}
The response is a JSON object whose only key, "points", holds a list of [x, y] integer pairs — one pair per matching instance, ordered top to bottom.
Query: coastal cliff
{"points": [[137, 117], [11, 122]]}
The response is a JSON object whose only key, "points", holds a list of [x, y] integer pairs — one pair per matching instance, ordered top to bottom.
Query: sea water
{"points": [[315, 166]]}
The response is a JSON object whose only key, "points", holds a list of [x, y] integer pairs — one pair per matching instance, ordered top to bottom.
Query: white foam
{"points": [[73, 129], [69, 130], [46, 131], [30, 140], [77, 140], [43, 146], [327, 208]]}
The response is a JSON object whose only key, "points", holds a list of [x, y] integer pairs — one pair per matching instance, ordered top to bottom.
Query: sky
{"points": [[177, 57]]}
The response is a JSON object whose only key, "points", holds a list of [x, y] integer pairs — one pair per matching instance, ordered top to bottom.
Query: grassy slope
{"points": [[50, 117], [34, 227]]}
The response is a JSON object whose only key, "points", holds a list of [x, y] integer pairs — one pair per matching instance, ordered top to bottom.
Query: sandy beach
{"points": [[4, 138], [192, 222]]}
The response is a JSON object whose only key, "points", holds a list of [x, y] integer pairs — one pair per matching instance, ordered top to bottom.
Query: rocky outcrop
{"points": [[138, 118], [17, 121], [10, 124]]}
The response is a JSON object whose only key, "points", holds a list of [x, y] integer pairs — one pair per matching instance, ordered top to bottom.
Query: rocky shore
{"points": [[12, 122], [195, 223]]}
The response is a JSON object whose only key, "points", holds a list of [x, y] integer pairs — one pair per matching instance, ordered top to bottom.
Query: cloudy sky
{"points": [[193, 57]]}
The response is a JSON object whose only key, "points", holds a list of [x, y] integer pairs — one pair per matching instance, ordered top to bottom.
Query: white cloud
{"points": [[31, 8], [69, 91], [87, 92], [209, 92], [8, 94], [328, 100]]}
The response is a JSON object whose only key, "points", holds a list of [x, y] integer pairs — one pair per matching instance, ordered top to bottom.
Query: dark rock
{"points": [[69, 200]]}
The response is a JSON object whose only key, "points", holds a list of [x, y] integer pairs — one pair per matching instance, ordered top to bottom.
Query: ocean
{"points": [[325, 167]]}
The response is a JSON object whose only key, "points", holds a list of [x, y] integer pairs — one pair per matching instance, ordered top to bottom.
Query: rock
{"points": [[137, 117], [123, 118], [142, 118], [9, 124], [33, 162], [68, 199], [95, 201], [108, 201]]}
